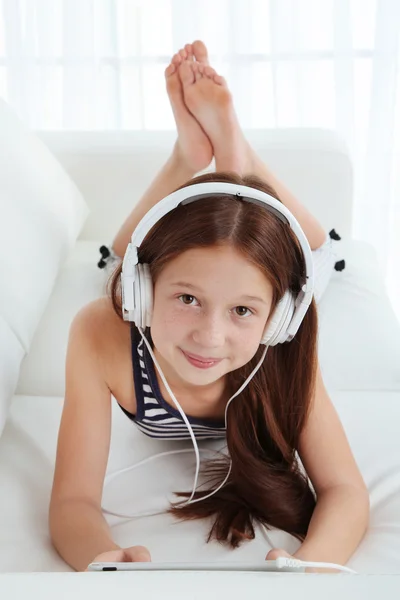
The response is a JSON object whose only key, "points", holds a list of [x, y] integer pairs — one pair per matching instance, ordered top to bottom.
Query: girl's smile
{"points": [[210, 309], [200, 362]]}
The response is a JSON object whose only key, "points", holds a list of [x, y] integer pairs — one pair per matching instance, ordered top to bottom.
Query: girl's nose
{"points": [[209, 332]]}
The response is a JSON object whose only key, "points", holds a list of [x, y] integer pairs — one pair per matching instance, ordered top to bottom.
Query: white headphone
{"points": [[137, 285]]}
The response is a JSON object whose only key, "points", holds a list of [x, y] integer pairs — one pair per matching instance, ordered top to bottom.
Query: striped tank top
{"points": [[154, 416]]}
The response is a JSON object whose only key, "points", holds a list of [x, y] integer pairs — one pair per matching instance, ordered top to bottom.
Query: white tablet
{"points": [[265, 566]]}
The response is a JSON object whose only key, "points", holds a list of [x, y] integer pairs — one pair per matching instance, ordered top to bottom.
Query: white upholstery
{"points": [[113, 169], [42, 213], [79, 282], [359, 341], [358, 345], [11, 355], [27, 451], [180, 586]]}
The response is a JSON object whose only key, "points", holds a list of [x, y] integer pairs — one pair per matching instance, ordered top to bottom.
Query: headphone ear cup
{"points": [[146, 290], [142, 297], [137, 311], [131, 315], [142, 316], [276, 330]]}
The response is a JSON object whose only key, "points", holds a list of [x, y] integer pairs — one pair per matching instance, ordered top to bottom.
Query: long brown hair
{"points": [[264, 424]]}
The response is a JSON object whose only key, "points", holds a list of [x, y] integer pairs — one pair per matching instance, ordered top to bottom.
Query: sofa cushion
{"points": [[42, 214], [78, 283], [359, 341], [11, 355]]}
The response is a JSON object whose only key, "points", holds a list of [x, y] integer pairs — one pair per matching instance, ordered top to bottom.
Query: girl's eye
{"points": [[187, 299], [242, 311]]}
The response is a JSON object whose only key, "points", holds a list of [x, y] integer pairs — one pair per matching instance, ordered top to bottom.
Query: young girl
{"points": [[219, 267]]}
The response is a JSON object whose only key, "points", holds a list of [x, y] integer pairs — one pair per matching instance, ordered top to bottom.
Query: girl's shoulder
{"points": [[102, 324], [111, 337]]}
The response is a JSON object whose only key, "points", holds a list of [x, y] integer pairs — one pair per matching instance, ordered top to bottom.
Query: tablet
{"points": [[265, 566]]}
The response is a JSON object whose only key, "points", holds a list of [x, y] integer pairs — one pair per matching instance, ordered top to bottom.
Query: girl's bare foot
{"points": [[208, 98], [193, 145]]}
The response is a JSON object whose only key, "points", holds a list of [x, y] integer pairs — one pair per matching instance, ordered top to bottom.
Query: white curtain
{"points": [[98, 64]]}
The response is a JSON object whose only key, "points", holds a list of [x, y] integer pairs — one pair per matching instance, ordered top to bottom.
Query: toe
{"points": [[189, 51], [200, 51], [183, 53], [176, 59], [170, 70], [209, 72], [186, 73], [212, 74], [220, 80]]}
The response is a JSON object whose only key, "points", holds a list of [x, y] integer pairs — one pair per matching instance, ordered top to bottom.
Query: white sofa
{"points": [[358, 344]]}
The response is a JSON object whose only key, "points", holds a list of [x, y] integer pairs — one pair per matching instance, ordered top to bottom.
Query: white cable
{"points": [[180, 410], [226, 412], [112, 476], [191, 501], [138, 516], [294, 563]]}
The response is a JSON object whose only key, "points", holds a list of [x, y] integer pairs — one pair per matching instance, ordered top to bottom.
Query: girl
{"points": [[219, 267]]}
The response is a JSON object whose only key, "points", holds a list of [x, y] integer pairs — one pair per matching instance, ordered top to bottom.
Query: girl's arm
{"points": [[341, 515], [78, 529], [79, 532]]}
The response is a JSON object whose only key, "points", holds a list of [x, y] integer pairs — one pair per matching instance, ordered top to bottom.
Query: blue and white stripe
{"points": [[165, 422]]}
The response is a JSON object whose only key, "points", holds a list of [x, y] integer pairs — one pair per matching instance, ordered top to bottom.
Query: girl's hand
{"points": [[275, 552], [131, 554]]}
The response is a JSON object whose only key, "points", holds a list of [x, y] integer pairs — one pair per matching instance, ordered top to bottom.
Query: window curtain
{"points": [[98, 64]]}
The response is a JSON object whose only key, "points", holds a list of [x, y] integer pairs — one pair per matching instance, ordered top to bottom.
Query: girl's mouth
{"points": [[199, 362]]}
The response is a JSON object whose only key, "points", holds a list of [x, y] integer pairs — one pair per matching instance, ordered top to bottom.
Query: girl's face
{"points": [[211, 306]]}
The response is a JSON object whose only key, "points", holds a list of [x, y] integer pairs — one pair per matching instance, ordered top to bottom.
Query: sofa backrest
{"points": [[112, 169]]}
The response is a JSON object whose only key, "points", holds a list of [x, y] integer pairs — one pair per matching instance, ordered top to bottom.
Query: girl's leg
{"points": [[208, 98], [192, 151], [174, 173], [313, 230], [324, 256]]}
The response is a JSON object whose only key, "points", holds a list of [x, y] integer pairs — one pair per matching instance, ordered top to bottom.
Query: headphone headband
{"points": [[196, 192]]}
